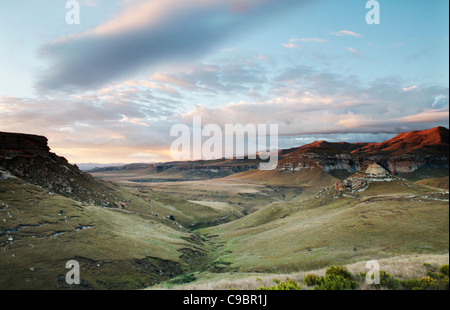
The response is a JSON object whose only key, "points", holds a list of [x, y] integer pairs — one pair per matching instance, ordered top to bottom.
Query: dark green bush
{"points": [[428, 266], [444, 270], [339, 271], [432, 274], [443, 277], [336, 278], [312, 279], [434, 279], [386, 280], [389, 281], [335, 282], [425, 283], [429, 283], [444, 283], [412, 284], [289, 285]]}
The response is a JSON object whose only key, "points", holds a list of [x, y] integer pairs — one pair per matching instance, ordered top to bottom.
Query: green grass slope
{"points": [[314, 177], [387, 219], [40, 232]]}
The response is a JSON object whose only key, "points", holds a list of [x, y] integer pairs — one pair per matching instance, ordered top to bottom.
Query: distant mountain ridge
{"points": [[431, 140], [435, 140], [425, 152], [405, 153]]}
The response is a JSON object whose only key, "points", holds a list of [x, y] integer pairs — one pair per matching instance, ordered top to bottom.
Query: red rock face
{"points": [[435, 140], [12, 145], [404, 153], [28, 157], [406, 165]]}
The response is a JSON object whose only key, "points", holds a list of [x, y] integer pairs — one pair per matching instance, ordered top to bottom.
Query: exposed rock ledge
{"points": [[14, 144]]}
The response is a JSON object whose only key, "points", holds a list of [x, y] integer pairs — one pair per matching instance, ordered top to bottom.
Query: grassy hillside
{"points": [[425, 173], [315, 177], [441, 183], [160, 206], [388, 219], [41, 232], [147, 241], [138, 245]]}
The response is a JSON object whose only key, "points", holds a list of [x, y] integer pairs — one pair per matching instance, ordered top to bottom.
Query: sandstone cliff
{"points": [[403, 154], [28, 157]]}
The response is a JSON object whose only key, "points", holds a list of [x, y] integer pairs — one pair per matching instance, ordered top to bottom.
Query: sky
{"points": [[109, 89]]}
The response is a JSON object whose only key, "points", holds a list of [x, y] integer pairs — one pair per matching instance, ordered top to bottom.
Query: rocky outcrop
{"points": [[12, 145], [403, 154], [28, 157], [328, 162], [408, 163], [397, 164], [374, 169], [4, 175], [358, 182]]}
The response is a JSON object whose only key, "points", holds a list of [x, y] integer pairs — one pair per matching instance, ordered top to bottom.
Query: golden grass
{"points": [[442, 183]]}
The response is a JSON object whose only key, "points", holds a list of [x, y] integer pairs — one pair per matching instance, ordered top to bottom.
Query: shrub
{"points": [[428, 266], [444, 270], [339, 271], [432, 274], [361, 276], [443, 277], [336, 278], [312, 280], [386, 280], [389, 281], [335, 282], [425, 283], [429, 283], [443, 283], [412, 284], [289, 285]]}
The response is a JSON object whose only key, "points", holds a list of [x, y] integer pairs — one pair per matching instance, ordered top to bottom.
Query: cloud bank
{"points": [[146, 33], [131, 121]]}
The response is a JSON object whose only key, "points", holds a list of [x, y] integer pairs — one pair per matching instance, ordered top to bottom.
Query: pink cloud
{"points": [[346, 33]]}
